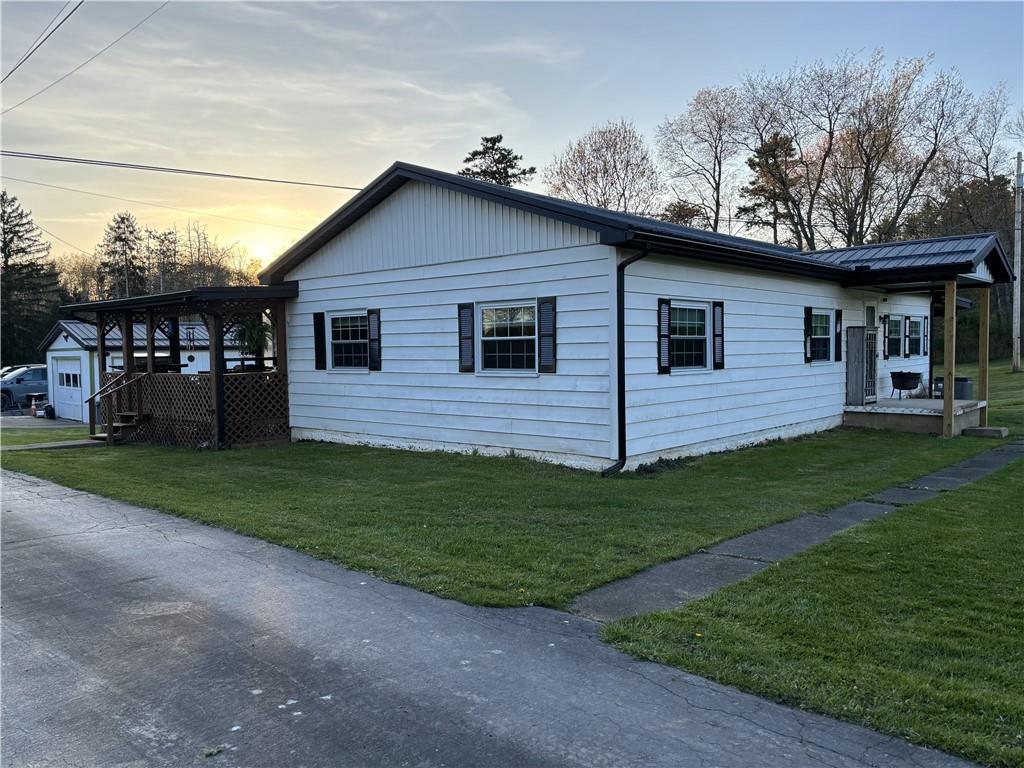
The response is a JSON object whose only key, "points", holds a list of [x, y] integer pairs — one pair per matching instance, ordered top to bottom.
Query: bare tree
{"points": [[697, 148], [609, 167], [79, 275]]}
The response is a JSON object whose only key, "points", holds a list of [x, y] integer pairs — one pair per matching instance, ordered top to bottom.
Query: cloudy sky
{"points": [[336, 92]]}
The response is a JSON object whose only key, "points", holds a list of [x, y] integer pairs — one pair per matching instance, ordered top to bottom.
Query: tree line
{"points": [[831, 154], [130, 260]]}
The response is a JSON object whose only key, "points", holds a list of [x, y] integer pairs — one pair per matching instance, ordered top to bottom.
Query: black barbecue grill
{"points": [[905, 381]]}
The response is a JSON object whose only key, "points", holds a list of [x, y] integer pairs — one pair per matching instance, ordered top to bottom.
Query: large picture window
{"points": [[894, 335], [688, 336], [821, 336], [508, 337], [350, 341]]}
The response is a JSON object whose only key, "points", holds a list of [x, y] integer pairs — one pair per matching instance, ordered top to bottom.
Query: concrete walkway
{"points": [[678, 582], [134, 638]]}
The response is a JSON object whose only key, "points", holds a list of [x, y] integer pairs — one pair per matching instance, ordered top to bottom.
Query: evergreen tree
{"points": [[496, 164], [122, 261], [29, 293]]}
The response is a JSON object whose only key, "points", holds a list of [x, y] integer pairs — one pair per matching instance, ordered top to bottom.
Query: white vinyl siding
{"points": [[903, 305], [765, 390], [419, 399]]}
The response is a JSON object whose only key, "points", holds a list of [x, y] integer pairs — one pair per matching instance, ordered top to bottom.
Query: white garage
{"points": [[67, 388]]}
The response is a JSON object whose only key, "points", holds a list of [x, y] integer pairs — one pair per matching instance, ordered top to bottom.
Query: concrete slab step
{"points": [[996, 432]]}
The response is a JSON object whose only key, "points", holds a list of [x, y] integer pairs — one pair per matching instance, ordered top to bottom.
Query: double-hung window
{"points": [[915, 334], [688, 336], [821, 336], [894, 336], [508, 337], [350, 341]]}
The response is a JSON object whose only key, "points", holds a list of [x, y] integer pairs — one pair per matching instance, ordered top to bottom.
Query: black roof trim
{"points": [[191, 297]]}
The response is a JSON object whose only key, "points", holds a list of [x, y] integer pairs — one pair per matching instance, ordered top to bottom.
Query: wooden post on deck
{"points": [[984, 304], [215, 326], [281, 336], [150, 341], [174, 343], [101, 353], [949, 359], [128, 364]]}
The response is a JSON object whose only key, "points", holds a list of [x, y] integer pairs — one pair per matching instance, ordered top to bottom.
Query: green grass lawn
{"points": [[1006, 393], [10, 436], [495, 531], [912, 624]]}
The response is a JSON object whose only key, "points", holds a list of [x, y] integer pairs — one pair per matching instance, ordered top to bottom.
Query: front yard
{"points": [[11, 436], [494, 531], [912, 624]]}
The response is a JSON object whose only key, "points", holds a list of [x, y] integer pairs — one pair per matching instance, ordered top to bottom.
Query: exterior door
{"points": [[68, 388]]}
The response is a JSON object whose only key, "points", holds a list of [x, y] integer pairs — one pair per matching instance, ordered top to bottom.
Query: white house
{"points": [[439, 312], [73, 362]]}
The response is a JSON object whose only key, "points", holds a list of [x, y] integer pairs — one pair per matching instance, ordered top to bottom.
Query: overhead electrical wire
{"points": [[43, 30], [36, 46], [91, 58], [167, 169], [202, 214], [61, 239]]}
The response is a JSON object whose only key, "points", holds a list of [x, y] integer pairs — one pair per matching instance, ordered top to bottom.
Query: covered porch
{"points": [[238, 401]]}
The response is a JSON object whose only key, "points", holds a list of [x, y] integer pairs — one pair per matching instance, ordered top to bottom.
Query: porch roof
{"points": [[192, 301]]}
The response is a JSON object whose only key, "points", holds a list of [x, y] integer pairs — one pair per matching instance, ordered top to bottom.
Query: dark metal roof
{"points": [[939, 258], [194, 300], [195, 335]]}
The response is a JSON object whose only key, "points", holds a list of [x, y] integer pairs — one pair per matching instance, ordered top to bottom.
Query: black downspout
{"points": [[620, 353]]}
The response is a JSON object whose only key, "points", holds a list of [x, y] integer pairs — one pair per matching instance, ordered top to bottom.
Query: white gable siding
{"points": [[422, 224], [416, 257], [902, 304], [766, 389]]}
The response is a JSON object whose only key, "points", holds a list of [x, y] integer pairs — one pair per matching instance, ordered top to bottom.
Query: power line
{"points": [[43, 30], [36, 46], [91, 58], [166, 169], [203, 214], [70, 245]]}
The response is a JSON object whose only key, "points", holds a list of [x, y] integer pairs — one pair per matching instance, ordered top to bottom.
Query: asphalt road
{"points": [[132, 638]]}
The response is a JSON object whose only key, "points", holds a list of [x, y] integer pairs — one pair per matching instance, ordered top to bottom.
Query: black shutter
{"points": [[664, 315], [808, 330], [546, 335], [718, 335], [839, 335], [906, 335], [885, 337], [373, 338], [466, 342], [319, 343], [925, 349]]}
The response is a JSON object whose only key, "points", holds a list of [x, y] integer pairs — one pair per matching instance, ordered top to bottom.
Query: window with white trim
{"points": [[821, 336], [895, 336], [915, 336], [508, 337], [688, 337], [350, 341]]}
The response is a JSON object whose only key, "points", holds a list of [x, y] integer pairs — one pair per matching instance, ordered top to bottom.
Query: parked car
{"points": [[9, 368], [17, 386]]}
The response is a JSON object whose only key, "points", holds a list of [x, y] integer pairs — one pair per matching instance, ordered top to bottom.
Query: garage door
{"points": [[68, 389]]}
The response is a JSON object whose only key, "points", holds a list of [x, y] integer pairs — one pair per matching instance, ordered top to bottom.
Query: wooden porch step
{"points": [[103, 436]]}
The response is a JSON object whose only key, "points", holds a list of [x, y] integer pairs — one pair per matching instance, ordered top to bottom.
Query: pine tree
{"points": [[496, 164], [122, 261], [29, 295]]}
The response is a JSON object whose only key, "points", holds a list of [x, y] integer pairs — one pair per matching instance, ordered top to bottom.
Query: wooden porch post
{"points": [[983, 323], [215, 325], [281, 336], [150, 341], [174, 342], [128, 343], [101, 353], [949, 359]]}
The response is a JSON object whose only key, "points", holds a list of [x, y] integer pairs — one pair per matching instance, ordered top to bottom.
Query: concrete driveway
{"points": [[132, 638]]}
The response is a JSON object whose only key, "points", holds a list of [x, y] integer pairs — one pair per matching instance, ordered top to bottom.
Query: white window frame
{"points": [[478, 332], [708, 333], [888, 333], [831, 336], [920, 336], [329, 337]]}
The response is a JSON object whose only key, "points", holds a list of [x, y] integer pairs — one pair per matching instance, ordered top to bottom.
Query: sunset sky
{"points": [[336, 92]]}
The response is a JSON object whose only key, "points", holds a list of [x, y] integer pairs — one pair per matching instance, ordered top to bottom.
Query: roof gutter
{"points": [[620, 356]]}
